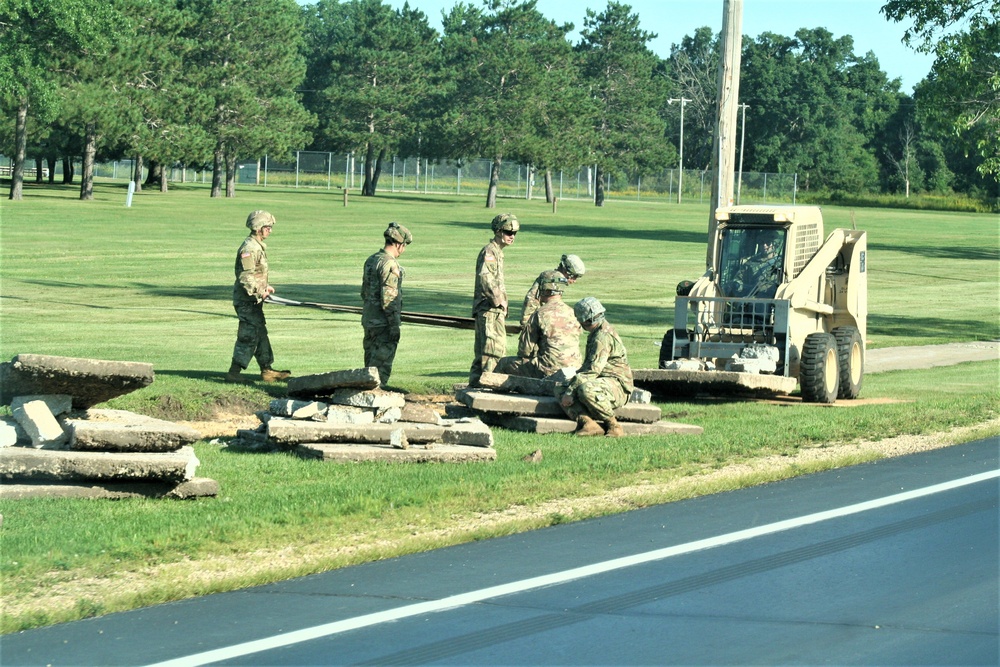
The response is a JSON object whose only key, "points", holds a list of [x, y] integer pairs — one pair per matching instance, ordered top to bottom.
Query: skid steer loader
{"points": [[779, 304]]}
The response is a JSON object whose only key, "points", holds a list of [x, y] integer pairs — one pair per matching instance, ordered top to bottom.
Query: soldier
{"points": [[570, 266], [249, 291], [382, 295], [489, 303], [551, 338], [604, 382]]}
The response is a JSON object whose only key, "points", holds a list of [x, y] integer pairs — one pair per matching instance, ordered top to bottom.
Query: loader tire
{"points": [[666, 348], [851, 360], [819, 370]]}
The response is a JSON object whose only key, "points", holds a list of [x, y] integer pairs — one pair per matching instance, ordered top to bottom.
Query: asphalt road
{"points": [[891, 563]]}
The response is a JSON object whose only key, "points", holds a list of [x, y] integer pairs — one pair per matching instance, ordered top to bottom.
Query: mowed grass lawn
{"points": [[153, 283]]}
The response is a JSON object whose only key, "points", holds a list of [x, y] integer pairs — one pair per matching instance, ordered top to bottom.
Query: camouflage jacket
{"points": [[251, 272], [381, 290], [491, 291], [531, 302], [551, 339], [606, 358]]}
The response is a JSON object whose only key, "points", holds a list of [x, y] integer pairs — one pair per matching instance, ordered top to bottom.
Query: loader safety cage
{"points": [[720, 327]]}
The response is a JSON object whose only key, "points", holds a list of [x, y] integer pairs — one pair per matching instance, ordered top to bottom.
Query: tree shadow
{"points": [[600, 232], [982, 253]]}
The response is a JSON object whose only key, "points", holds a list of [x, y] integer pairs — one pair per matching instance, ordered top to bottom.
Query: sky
{"points": [[671, 20]]}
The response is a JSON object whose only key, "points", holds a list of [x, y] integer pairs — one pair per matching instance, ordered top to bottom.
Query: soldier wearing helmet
{"points": [[570, 266], [249, 291], [382, 296], [489, 301], [551, 338], [604, 381]]}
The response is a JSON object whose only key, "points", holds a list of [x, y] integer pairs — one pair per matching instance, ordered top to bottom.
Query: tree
{"points": [[34, 35], [246, 66], [507, 66], [376, 69], [619, 71], [692, 72], [962, 91], [815, 108]]}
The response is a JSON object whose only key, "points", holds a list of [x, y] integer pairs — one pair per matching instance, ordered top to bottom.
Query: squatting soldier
{"points": [[570, 266], [249, 291], [382, 295], [489, 302], [550, 340], [604, 382]]}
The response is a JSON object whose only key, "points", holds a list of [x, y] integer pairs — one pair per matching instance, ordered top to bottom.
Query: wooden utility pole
{"points": [[724, 144]]}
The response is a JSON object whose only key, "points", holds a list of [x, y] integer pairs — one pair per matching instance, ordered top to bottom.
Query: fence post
{"points": [[345, 196], [555, 202]]}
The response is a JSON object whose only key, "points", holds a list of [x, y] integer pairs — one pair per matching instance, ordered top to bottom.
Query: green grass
{"points": [[152, 283]]}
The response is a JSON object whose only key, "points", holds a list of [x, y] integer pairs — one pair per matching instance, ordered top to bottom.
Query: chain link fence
{"points": [[329, 171]]}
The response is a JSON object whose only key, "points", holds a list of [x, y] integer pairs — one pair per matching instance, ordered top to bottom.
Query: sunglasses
{"points": [[506, 233]]}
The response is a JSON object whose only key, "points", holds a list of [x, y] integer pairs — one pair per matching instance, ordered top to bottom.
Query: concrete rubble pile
{"points": [[528, 404], [343, 416], [56, 444]]}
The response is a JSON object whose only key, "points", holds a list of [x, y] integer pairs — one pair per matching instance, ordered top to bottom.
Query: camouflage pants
{"points": [[251, 336], [491, 343], [380, 344], [520, 367], [596, 398]]}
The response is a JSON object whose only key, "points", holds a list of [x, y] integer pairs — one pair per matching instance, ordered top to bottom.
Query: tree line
{"points": [[207, 82]]}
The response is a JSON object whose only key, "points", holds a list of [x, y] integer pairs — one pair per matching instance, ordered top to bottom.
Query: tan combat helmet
{"points": [[259, 219], [505, 222], [396, 233], [572, 266]]}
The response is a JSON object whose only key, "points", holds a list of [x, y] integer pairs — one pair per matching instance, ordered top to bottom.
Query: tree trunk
{"points": [[20, 141], [89, 151], [51, 161], [68, 168], [378, 170], [39, 171], [217, 171], [152, 174], [137, 175], [230, 175], [163, 178], [599, 186], [366, 188], [491, 192], [549, 194]]}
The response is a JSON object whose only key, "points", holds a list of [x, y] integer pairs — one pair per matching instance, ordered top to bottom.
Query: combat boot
{"points": [[233, 374], [271, 375], [587, 427], [613, 429]]}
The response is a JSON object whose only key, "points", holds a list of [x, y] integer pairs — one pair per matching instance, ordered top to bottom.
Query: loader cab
{"points": [[751, 260]]}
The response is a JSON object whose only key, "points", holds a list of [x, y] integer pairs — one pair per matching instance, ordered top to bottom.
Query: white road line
{"points": [[471, 597]]}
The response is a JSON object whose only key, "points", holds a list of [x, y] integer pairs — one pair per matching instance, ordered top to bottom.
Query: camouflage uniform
{"points": [[570, 265], [249, 292], [382, 295], [489, 307], [549, 341], [604, 382]]}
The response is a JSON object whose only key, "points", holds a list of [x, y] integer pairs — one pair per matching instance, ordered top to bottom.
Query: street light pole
{"points": [[743, 135], [680, 171]]}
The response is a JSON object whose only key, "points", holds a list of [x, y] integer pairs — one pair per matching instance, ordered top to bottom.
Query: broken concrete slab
{"points": [[88, 381], [694, 382], [324, 384], [517, 385], [640, 396], [375, 398], [58, 404], [544, 406], [297, 409], [420, 413], [348, 414], [389, 415], [40, 424], [543, 425], [124, 431], [289, 432], [472, 432], [11, 433], [398, 439], [247, 440], [357, 452], [19, 464], [199, 487]]}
